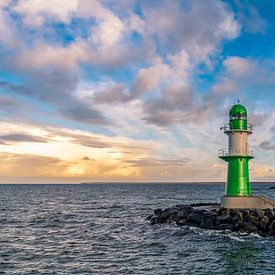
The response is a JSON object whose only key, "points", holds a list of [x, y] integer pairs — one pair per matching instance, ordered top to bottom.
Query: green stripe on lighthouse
{"points": [[238, 117], [238, 154]]}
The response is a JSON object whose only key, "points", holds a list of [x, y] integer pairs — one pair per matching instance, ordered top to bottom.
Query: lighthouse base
{"points": [[249, 202]]}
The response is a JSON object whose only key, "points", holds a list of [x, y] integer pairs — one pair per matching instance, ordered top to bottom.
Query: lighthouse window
{"points": [[239, 116]]}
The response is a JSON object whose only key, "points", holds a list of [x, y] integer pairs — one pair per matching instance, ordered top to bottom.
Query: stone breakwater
{"points": [[214, 217]]}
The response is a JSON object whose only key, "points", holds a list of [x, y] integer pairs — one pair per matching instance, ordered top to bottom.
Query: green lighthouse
{"points": [[238, 154], [238, 192]]}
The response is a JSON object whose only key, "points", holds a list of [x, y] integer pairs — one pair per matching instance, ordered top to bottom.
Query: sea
{"points": [[102, 229]]}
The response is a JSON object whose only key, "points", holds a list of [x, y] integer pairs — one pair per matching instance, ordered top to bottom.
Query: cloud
{"points": [[38, 12], [250, 18], [181, 26], [7, 29], [109, 29], [43, 56], [238, 66], [149, 79], [158, 84], [58, 89], [7, 102], [176, 104], [81, 112], [21, 137], [266, 145], [87, 158], [146, 162], [29, 166]]}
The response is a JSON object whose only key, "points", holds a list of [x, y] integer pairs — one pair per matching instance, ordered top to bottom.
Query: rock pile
{"points": [[216, 218]]}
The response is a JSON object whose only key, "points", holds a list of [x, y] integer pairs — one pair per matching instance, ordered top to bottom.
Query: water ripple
{"points": [[101, 229]]}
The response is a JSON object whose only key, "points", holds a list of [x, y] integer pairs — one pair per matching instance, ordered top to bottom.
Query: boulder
{"points": [[157, 211], [222, 211], [166, 213], [246, 213], [257, 213], [183, 214], [270, 214], [172, 218], [195, 218], [225, 218], [238, 218], [251, 218], [157, 220], [242, 220], [208, 221], [181, 222], [264, 223], [192, 224], [225, 226], [247, 227], [272, 228]]}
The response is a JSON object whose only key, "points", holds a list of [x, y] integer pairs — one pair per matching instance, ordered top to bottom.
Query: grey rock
{"points": [[157, 211], [222, 211], [246, 213], [258, 213], [165, 214], [183, 214], [270, 214], [172, 218], [194, 218], [225, 218], [251, 218], [156, 220], [242, 220], [208, 221], [181, 222], [264, 222], [192, 224], [225, 226], [247, 227], [272, 228]]}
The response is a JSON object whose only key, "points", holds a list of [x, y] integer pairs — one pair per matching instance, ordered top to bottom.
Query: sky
{"points": [[105, 90]]}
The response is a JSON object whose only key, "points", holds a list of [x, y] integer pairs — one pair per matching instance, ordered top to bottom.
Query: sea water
{"points": [[101, 229]]}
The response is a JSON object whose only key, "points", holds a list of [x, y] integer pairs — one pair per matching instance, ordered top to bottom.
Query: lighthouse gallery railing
{"points": [[226, 127], [225, 152]]}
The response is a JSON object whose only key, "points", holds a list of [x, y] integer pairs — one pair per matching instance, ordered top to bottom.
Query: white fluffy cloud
{"points": [[35, 13], [198, 28], [109, 29], [58, 57], [238, 66]]}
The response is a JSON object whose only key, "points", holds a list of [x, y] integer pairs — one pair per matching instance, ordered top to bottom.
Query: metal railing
{"points": [[226, 127], [225, 152], [267, 201]]}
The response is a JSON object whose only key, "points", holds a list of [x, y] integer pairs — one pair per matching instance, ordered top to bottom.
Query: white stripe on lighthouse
{"points": [[238, 143]]}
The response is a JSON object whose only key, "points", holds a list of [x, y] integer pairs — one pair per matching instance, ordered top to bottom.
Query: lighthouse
{"points": [[238, 193]]}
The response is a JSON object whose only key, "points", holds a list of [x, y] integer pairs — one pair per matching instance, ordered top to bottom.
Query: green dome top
{"points": [[237, 110]]}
